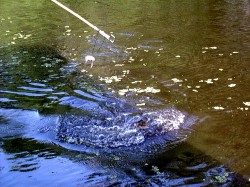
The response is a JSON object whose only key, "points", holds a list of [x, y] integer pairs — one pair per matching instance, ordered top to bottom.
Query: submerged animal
{"points": [[122, 130]]}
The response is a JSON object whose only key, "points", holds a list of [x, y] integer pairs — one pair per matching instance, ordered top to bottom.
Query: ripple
{"points": [[36, 89], [23, 93]]}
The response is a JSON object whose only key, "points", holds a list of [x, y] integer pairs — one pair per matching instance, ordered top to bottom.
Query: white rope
{"points": [[111, 37]]}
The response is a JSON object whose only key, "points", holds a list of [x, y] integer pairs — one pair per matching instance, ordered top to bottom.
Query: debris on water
{"points": [[131, 48], [235, 52], [178, 56], [90, 59], [131, 59], [119, 65], [220, 69], [126, 71], [108, 80], [176, 80], [209, 81], [134, 82], [231, 85], [139, 90], [246, 103], [140, 104], [218, 108], [241, 108], [156, 170]]}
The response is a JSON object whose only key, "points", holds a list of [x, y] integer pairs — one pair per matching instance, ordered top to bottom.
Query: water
{"points": [[192, 57]]}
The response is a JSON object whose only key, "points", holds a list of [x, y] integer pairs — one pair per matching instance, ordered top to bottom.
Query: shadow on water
{"points": [[48, 85]]}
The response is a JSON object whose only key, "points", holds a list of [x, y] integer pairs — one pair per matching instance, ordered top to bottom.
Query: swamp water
{"points": [[184, 64]]}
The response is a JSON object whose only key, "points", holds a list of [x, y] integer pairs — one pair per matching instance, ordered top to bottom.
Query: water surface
{"points": [[193, 56]]}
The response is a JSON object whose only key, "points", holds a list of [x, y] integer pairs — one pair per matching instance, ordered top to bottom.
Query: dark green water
{"points": [[192, 55]]}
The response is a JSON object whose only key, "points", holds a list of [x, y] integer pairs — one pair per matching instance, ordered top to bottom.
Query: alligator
{"points": [[108, 123], [116, 124]]}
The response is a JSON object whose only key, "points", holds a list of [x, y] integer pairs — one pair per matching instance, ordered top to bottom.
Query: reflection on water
{"points": [[190, 55]]}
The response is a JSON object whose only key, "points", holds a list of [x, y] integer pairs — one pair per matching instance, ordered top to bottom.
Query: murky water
{"points": [[191, 58]]}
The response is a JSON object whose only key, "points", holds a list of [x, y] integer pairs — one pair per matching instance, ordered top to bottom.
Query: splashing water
{"points": [[122, 130]]}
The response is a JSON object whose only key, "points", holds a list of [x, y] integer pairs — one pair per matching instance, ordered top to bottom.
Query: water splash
{"points": [[122, 130]]}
